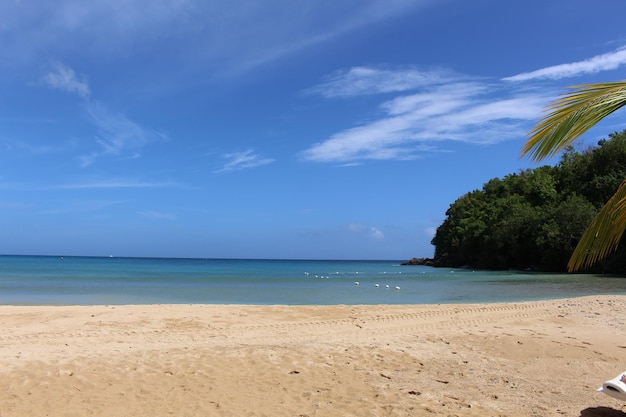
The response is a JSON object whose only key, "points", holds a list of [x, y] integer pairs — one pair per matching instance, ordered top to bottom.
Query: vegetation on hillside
{"points": [[567, 118], [534, 219]]}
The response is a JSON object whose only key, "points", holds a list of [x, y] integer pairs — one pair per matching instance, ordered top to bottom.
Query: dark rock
{"points": [[419, 261]]}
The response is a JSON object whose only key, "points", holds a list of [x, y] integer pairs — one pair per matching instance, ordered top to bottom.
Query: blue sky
{"points": [[275, 129]]}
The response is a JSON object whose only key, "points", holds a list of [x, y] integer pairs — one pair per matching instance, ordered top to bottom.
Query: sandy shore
{"points": [[520, 359]]}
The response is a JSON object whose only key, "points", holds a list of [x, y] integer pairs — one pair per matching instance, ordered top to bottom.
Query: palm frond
{"points": [[572, 115], [603, 234]]}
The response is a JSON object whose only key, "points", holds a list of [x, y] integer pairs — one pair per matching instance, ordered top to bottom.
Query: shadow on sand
{"points": [[602, 412]]}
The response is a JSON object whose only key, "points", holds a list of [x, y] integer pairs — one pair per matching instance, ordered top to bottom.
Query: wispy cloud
{"points": [[70, 26], [274, 29], [265, 31], [598, 63], [64, 78], [369, 81], [432, 107], [441, 110], [117, 135], [243, 160], [365, 230], [375, 233]]}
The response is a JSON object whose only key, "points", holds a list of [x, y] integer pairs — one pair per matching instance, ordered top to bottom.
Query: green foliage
{"points": [[572, 115], [567, 119], [535, 218]]}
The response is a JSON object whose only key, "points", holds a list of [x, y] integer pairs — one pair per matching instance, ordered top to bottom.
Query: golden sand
{"points": [[518, 359]]}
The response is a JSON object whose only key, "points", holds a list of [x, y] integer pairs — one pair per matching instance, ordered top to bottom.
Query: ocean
{"points": [[69, 280]]}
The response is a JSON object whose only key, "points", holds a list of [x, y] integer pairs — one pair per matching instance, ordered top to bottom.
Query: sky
{"points": [[277, 129]]}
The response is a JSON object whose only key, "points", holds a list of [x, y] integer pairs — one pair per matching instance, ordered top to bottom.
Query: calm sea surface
{"points": [[46, 280]]}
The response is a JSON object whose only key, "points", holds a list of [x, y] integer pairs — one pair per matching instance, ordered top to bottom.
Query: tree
{"points": [[567, 119], [524, 220]]}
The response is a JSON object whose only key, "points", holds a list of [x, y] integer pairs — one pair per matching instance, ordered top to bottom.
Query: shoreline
{"points": [[535, 358]]}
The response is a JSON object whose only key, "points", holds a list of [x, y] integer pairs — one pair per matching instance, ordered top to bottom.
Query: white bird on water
{"points": [[356, 282], [376, 285], [397, 288]]}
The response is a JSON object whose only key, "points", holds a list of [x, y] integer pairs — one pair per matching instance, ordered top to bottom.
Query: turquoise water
{"points": [[46, 280]]}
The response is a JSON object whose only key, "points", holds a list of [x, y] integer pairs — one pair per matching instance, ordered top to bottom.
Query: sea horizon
{"points": [[216, 258], [90, 280]]}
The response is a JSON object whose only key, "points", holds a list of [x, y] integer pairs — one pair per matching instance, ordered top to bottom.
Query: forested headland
{"points": [[533, 219]]}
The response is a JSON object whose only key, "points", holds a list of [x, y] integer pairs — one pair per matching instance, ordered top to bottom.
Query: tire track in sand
{"points": [[440, 319], [280, 325]]}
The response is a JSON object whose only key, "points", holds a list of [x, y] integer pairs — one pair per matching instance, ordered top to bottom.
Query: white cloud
{"points": [[99, 23], [270, 30], [224, 36], [598, 63], [64, 78], [366, 81], [433, 107], [412, 124], [117, 135], [243, 160], [365, 230], [376, 233]]}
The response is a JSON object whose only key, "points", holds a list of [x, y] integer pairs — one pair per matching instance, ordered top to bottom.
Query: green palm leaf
{"points": [[572, 115], [567, 119], [603, 234]]}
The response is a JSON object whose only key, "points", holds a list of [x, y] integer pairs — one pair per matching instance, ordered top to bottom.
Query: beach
{"points": [[540, 358]]}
